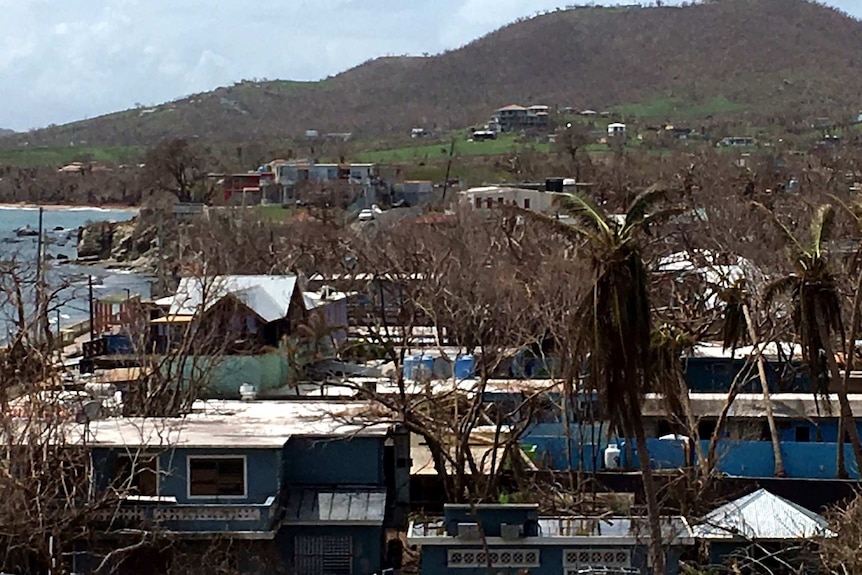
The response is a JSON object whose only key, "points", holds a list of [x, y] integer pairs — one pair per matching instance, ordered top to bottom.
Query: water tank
{"points": [[554, 185], [410, 363], [465, 365], [424, 366], [442, 367], [247, 392], [612, 456]]}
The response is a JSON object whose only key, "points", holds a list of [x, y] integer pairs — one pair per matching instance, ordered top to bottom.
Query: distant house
{"points": [[514, 117], [617, 130], [419, 133], [736, 142], [290, 175], [240, 189], [417, 192], [491, 197], [514, 539]]}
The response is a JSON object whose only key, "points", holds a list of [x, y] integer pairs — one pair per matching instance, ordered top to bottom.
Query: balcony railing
{"points": [[165, 513]]}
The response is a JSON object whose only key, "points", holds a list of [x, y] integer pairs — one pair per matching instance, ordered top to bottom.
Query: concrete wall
{"points": [[222, 376], [325, 461], [434, 559]]}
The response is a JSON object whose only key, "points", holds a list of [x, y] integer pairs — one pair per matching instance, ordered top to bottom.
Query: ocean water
{"points": [[69, 280]]}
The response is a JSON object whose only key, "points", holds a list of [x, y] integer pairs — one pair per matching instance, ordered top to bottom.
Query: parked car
{"points": [[366, 215]]}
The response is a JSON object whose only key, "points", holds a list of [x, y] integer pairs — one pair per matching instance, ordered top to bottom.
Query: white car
{"points": [[366, 215]]}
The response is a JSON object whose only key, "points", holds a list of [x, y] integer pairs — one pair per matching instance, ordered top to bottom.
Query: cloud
{"points": [[64, 61]]}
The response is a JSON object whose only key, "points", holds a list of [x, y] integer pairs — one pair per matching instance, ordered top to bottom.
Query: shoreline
{"points": [[68, 207]]}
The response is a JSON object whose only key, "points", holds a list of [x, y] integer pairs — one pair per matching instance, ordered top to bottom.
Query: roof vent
{"points": [[247, 392]]}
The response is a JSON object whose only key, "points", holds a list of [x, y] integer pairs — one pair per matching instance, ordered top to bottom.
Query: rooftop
{"points": [[266, 295], [784, 405], [238, 424], [314, 506], [762, 516], [571, 530]]}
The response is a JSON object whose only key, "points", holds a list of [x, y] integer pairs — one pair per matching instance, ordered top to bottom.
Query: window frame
{"points": [[242, 457], [132, 459]]}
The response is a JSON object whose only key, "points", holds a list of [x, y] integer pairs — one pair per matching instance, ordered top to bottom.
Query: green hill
{"points": [[764, 58]]}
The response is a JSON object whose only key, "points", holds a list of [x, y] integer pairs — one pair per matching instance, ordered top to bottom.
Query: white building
{"points": [[616, 130], [490, 197]]}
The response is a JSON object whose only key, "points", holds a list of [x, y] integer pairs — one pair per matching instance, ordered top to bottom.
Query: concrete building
{"points": [[490, 197], [290, 479], [514, 538]]}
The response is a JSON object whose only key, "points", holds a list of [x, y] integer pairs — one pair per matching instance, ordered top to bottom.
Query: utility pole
{"points": [[448, 169], [39, 295], [92, 322]]}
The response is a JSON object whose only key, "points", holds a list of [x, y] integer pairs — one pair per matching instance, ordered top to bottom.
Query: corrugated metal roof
{"points": [[267, 296], [318, 506], [763, 516]]}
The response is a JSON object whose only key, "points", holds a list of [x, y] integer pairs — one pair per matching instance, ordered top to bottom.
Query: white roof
{"points": [[267, 296], [239, 424], [764, 516]]}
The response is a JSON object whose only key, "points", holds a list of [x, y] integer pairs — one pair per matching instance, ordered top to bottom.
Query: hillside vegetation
{"points": [[762, 58]]}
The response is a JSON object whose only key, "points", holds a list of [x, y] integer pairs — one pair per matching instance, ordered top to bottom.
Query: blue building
{"points": [[309, 483], [472, 540]]}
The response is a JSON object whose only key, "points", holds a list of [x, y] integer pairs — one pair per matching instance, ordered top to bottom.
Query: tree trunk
{"points": [[849, 355], [767, 401], [846, 420], [650, 494]]}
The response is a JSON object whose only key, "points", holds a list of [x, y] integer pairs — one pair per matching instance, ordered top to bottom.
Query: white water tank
{"points": [[247, 392], [612, 456]]}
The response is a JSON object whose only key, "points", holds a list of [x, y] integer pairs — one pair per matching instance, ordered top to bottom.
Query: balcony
{"points": [[252, 521]]}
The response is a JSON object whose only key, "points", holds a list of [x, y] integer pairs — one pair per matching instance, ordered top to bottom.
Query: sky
{"points": [[64, 60]]}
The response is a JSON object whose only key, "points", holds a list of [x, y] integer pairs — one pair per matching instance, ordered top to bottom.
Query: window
{"points": [[501, 201], [478, 203], [489, 203], [526, 203], [803, 433], [137, 474], [216, 476], [323, 555], [503, 558]]}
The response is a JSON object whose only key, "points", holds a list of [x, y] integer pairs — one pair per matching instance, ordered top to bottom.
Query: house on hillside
{"points": [[514, 117], [354, 180], [246, 189], [491, 197], [296, 487], [514, 538]]}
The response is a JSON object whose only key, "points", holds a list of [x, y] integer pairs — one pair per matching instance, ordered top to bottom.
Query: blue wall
{"points": [[707, 374], [587, 445], [755, 458], [327, 461], [263, 472]]}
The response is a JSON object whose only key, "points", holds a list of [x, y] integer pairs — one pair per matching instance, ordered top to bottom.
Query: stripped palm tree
{"points": [[816, 314], [616, 317], [739, 326]]}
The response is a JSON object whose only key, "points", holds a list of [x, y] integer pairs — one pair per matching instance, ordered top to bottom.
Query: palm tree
{"points": [[816, 314], [617, 324], [739, 326]]}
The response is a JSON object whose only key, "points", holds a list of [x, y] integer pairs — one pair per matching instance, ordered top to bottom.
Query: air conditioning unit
{"points": [[469, 531], [510, 531]]}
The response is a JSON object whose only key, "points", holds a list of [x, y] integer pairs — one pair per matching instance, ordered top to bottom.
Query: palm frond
{"points": [[641, 205], [586, 211], [821, 227], [571, 232], [788, 235], [788, 285], [733, 329]]}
